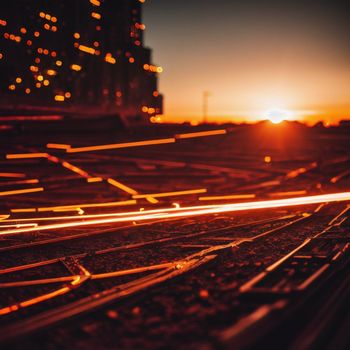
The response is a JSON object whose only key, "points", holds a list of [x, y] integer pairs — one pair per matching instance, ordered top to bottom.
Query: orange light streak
{"points": [[95, 2], [87, 49], [201, 134], [146, 142], [120, 145], [57, 146], [26, 155], [53, 159], [75, 169], [294, 173], [15, 175], [94, 179], [335, 179], [20, 182], [121, 186], [22, 191], [288, 193], [169, 194], [233, 196], [152, 200], [97, 205], [70, 207], [24, 210], [195, 211], [91, 216], [19, 225], [93, 277], [77, 281]]}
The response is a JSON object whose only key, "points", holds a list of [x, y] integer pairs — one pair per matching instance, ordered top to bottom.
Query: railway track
{"points": [[164, 273], [75, 275]]}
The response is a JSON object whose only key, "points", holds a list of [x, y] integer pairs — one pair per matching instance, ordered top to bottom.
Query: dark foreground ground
{"points": [[268, 278]]}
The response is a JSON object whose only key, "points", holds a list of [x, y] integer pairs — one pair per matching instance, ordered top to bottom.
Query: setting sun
{"points": [[277, 115]]}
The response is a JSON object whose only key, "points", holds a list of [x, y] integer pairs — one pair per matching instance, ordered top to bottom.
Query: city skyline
{"points": [[78, 57], [254, 58]]}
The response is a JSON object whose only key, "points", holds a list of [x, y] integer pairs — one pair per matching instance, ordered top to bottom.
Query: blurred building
{"points": [[84, 56]]}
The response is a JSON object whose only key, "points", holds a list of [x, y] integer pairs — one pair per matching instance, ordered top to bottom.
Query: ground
{"points": [[99, 250]]}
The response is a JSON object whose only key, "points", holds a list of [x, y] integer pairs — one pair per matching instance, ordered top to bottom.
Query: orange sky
{"points": [[250, 63]]}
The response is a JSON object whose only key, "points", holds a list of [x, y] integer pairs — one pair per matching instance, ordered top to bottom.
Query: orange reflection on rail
{"points": [[201, 134], [120, 145], [58, 146], [26, 155], [75, 169], [13, 175], [94, 179], [20, 182], [121, 186], [21, 191], [288, 193], [170, 194], [233, 196], [70, 207], [75, 282]]}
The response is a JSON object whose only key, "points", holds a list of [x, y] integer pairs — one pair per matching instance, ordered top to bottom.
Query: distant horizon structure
{"points": [[77, 56]]}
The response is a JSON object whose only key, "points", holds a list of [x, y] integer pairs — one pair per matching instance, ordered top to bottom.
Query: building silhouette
{"points": [[82, 56]]}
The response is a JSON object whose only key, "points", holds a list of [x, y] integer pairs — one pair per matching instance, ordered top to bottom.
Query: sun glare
{"points": [[277, 115]]}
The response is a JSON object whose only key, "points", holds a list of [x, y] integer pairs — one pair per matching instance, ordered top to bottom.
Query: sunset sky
{"points": [[253, 56]]}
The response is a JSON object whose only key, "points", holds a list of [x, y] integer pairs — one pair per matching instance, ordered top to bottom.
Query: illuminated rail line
{"points": [[193, 211], [131, 246], [180, 265], [324, 267], [166, 272], [97, 300]]}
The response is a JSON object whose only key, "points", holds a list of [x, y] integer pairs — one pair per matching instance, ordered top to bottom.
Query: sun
{"points": [[277, 115]]}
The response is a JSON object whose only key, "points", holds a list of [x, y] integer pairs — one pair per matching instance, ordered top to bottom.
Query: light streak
{"points": [[95, 2], [87, 49], [201, 134], [145, 142], [120, 145], [57, 146], [26, 155], [75, 169], [294, 173], [13, 175], [337, 178], [94, 179], [20, 182], [122, 187], [22, 191], [131, 191], [288, 193], [170, 194], [233, 196], [152, 200], [94, 205], [71, 207], [24, 210], [65, 210], [194, 211], [95, 216], [19, 225], [93, 277], [78, 280]]}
